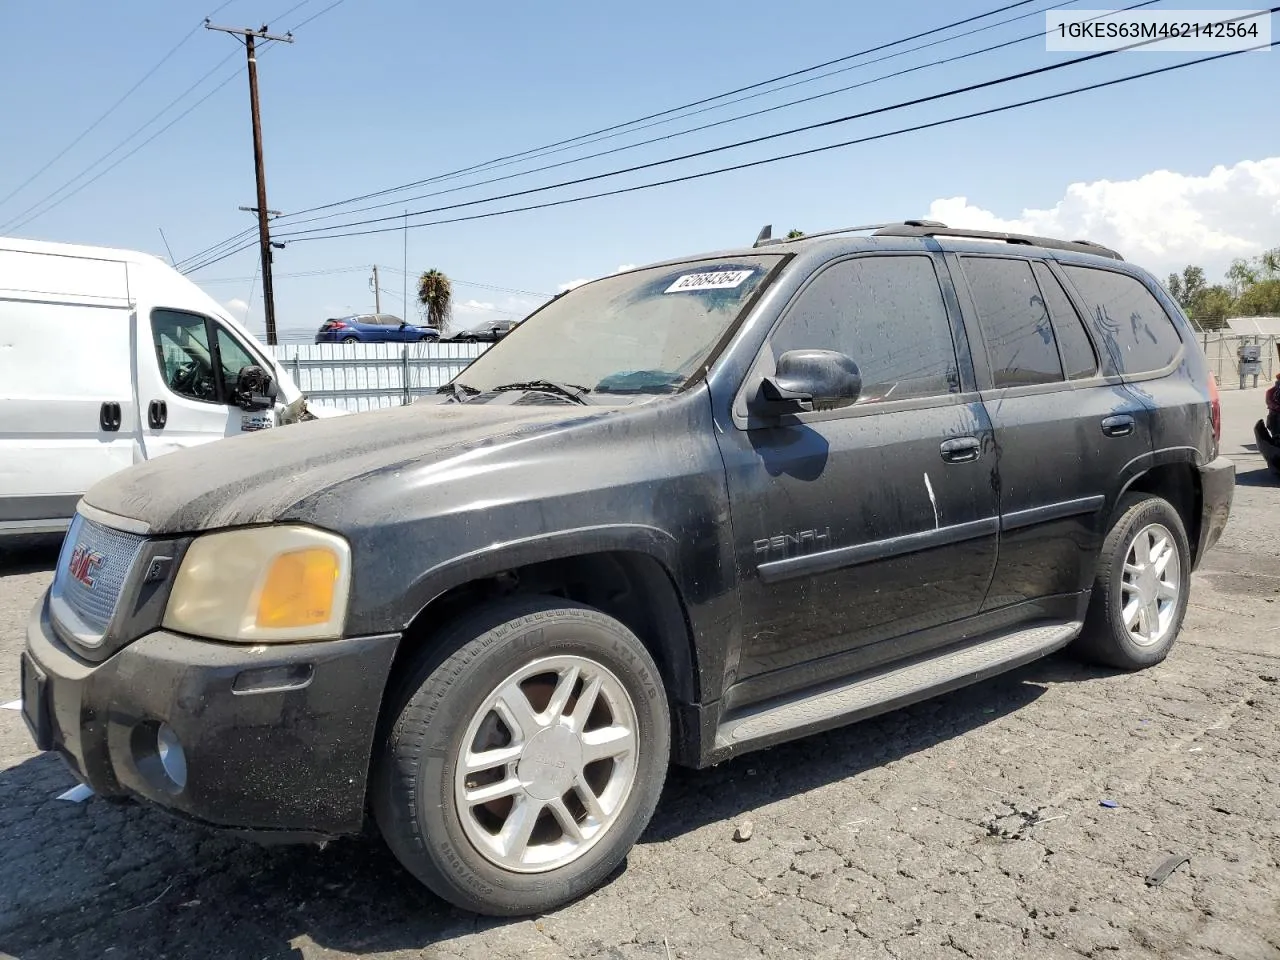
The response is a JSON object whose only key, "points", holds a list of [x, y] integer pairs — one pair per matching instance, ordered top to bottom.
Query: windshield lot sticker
{"points": [[719, 280]]}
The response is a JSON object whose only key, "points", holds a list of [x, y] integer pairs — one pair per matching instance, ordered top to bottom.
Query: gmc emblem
{"points": [[83, 562]]}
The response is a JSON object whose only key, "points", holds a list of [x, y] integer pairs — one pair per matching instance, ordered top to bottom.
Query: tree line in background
{"points": [[1252, 289]]}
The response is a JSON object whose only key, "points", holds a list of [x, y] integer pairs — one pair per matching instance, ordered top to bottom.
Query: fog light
{"points": [[172, 758]]}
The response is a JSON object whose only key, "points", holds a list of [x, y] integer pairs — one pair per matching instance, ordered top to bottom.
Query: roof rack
{"points": [[919, 228], [766, 238]]}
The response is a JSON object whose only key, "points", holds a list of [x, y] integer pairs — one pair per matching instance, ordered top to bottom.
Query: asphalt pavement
{"points": [[1015, 818]]}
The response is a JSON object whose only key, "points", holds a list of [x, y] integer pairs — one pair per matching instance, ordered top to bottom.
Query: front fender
{"points": [[498, 557]]}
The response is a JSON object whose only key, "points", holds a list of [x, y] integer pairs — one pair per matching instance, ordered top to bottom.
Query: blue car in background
{"points": [[373, 328]]}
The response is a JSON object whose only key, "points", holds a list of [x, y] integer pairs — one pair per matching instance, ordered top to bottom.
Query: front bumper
{"points": [[1217, 488], [274, 738]]}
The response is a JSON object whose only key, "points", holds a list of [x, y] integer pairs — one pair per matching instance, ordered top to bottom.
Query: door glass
{"points": [[888, 315], [1014, 321], [1130, 323], [182, 351], [1077, 351], [234, 358]]}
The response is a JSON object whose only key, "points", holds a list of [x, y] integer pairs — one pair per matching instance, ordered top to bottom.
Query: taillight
{"points": [[1215, 408]]}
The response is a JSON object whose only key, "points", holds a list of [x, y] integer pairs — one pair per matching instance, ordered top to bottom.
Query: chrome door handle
{"points": [[1120, 425], [961, 449]]}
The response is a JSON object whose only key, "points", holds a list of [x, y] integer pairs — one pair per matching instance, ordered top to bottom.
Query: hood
{"points": [[258, 477]]}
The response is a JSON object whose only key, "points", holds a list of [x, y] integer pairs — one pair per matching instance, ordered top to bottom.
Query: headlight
{"points": [[262, 585]]}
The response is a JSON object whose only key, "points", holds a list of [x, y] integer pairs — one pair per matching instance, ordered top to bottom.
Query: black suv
{"points": [[766, 492]]}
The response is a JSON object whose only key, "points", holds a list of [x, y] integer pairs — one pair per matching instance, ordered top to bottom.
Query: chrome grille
{"points": [[92, 570]]}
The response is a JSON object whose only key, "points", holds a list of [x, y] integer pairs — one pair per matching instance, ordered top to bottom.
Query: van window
{"points": [[888, 315], [1014, 320], [1128, 321], [182, 351], [1077, 352], [233, 358]]}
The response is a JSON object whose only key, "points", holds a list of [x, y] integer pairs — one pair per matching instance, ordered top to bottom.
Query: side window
{"points": [[887, 313], [1014, 321], [1128, 321], [1077, 351], [182, 352], [233, 358]]}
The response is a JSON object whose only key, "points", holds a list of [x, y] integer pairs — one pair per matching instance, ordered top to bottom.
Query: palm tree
{"points": [[795, 234], [435, 293]]}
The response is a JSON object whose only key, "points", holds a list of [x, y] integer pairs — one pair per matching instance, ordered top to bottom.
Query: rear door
{"points": [[1141, 342], [187, 369], [66, 389], [1065, 430], [857, 527]]}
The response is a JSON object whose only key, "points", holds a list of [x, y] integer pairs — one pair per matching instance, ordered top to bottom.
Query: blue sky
{"points": [[376, 93]]}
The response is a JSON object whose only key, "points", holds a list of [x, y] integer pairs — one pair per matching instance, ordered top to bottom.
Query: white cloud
{"points": [[1162, 220], [564, 287], [474, 306], [237, 308]]}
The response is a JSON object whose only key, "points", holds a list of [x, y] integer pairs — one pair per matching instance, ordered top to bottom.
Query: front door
{"points": [[186, 382], [857, 527]]}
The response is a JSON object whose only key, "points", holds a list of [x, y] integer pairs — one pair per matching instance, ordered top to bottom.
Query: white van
{"points": [[109, 358]]}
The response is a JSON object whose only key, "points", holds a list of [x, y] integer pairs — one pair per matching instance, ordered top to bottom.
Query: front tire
{"points": [[1140, 591], [524, 758]]}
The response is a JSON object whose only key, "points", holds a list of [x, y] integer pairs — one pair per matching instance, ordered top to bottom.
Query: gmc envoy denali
{"points": [[678, 514]]}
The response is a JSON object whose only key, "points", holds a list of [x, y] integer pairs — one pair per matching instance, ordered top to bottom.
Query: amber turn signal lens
{"points": [[299, 589]]}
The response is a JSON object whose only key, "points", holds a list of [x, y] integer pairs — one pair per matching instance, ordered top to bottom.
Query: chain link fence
{"points": [[1228, 363], [366, 376]]}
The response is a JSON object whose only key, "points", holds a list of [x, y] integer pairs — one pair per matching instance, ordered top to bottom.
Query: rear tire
{"points": [[350, 339], [1140, 591], [524, 694]]}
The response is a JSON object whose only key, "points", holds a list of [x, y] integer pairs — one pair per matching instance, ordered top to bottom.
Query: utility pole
{"points": [[264, 231], [377, 294]]}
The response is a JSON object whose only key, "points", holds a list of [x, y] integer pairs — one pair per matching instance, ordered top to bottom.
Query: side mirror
{"points": [[403, 324], [810, 380], [255, 390]]}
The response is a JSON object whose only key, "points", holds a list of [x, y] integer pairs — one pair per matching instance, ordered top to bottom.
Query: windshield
{"points": [[648, 331]]}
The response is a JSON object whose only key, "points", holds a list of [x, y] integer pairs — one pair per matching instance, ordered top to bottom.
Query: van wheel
{"points": [[1140, 592], [524, 757]]}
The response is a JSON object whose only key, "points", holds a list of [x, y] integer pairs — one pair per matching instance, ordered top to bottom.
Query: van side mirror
{"points": [[810, 380], [255, 390]]}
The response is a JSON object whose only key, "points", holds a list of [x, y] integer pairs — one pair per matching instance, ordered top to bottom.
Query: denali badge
{"points": [[83, 562]]}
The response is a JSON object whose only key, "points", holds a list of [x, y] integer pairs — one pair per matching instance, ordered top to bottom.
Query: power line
{"points": [[316, 16], [917, 101], [110, 110], [671, 110], [733, 119], [590, 139], [812, 150], [22, 219], [19, 221], [216, 250], [282, 276], [482, 286]]}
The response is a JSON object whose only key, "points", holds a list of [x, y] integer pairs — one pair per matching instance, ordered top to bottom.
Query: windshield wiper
{"points": [[570, 391], [460, 392]]}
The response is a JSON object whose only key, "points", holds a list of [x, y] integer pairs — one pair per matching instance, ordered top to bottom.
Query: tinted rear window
{"points": [[1130, 325]]}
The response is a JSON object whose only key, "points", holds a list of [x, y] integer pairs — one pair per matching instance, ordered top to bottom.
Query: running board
{"points": [[894, 688]]}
